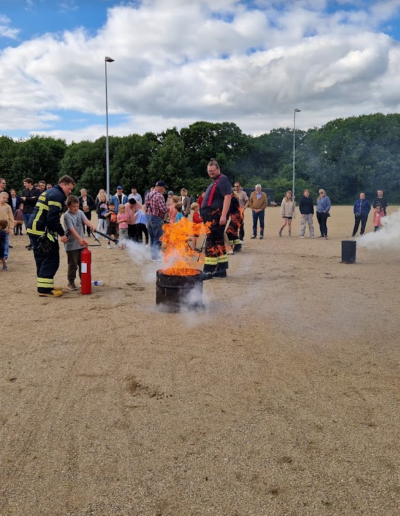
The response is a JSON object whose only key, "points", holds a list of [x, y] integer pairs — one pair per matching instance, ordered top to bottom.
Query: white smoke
{"points": [[388, 237], [141, 256]]}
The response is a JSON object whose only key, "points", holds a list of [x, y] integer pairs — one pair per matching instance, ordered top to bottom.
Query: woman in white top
{"points": [[287, 212]]}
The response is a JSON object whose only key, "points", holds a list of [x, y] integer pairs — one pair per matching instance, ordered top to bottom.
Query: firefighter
{"points": [[214, 210], [235, 223], [44, 229]]}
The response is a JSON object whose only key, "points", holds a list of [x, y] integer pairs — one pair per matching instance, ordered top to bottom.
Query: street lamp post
{"points": [[107, 60], [294, 148]]}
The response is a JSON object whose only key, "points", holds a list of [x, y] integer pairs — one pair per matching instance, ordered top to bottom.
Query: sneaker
{"points": [[280, 232], [254, 236], [261, 237], [109, 246], [5, 268], [206, 276], [71, 286], [53, 293]]}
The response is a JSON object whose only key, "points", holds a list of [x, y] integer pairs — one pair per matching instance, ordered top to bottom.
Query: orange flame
{"points": [[179, 257]]}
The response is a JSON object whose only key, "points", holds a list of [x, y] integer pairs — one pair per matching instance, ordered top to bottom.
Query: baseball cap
{"points": [[161, 183], [119, 187], [170, 192]]}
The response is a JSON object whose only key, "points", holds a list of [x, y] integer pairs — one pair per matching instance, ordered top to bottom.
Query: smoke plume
{"points": [[388, 237]]}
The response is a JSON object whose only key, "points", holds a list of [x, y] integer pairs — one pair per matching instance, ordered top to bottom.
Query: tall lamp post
{"points": [[107, 60], [294, 148]]}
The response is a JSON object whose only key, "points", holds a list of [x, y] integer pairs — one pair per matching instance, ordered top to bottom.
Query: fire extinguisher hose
{"points": [[105, 236]]}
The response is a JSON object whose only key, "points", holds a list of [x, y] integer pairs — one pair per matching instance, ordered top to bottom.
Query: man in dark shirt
{"points": [[29, 197], [382, 201], [306, 208], [214, 210]]}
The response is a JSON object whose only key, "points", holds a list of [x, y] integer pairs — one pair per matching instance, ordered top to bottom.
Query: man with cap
{"points": [[118, 198], [156, 210], [214, 210]]}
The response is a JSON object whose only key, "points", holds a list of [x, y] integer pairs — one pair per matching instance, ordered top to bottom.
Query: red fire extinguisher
{"points": [[86, 271]]}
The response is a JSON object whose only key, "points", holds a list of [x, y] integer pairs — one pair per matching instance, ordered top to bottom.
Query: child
{"points": [[172, 210], [101, 211], [287, 212], [179, 214], [7, 215], [378, 216], [19, 219], [74, 219], [122, 219], [196, 220], [141, 221], [112, 228], [3, 237]]}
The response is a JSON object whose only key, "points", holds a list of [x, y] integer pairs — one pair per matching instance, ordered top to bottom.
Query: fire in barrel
{"points": [[180, 284], [176, 292]]}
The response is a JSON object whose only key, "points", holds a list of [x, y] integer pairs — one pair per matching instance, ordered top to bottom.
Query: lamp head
{"points": [[109, 59]]}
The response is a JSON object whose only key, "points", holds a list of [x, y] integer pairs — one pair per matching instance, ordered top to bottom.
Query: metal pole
{"points": [[107, 60], [294, 150], [294, 153]]}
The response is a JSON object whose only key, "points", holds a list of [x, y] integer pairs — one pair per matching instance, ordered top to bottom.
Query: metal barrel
{"points": [[349, 251], [176, 292]]}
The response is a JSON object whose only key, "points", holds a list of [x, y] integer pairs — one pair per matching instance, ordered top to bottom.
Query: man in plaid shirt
{"points": [[156, 210]]}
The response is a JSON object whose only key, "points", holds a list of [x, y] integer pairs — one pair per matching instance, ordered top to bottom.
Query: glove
{"points": [[44, 244]]}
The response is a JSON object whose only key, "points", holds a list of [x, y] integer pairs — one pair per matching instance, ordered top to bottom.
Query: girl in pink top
{"points": [[172, 210], [378, 216], [122, 220]]}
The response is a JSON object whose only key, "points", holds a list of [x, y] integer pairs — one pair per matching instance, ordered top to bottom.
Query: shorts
{"points": [[289, 218], [112, 229]]}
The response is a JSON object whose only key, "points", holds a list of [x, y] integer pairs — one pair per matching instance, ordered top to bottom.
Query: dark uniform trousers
{"points": [[233, 230], [215, 252], [47, 265]]}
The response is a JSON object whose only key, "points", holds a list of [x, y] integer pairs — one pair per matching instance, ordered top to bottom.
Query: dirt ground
{"points": [[282, 397]]}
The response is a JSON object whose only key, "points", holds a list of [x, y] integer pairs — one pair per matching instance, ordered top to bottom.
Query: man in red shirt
{"points": [[214, 209], [156, 210]]}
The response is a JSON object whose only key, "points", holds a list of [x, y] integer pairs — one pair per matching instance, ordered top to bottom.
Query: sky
{"points": [[176, 62]]}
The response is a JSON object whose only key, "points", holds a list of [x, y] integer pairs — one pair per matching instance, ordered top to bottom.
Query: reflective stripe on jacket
{"points": [[47, 212]]}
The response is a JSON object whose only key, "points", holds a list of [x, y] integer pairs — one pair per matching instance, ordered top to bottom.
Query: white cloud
{"points": [[5, 30], [178, 62]]}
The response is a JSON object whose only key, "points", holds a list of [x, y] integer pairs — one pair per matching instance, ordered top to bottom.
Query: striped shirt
{"points": [[155, 205]]}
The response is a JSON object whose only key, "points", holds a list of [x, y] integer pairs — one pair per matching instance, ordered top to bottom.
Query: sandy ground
{"points": [[281, 398]]}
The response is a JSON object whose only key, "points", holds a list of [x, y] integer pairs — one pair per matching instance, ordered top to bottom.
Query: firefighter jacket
{"points": [[47, 213]]}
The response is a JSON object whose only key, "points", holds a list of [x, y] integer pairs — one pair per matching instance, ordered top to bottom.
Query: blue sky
{"points": [[40, 16], [179, 61]]}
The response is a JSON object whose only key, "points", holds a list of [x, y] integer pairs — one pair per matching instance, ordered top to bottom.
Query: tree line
{"points": [[344, 157]]}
